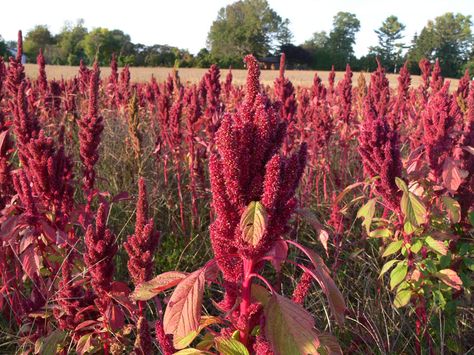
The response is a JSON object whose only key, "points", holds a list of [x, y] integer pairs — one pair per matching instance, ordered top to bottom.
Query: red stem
{"points": [[246, 293]]}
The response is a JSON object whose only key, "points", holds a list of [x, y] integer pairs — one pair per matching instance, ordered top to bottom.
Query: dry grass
{"points": [[193, 75]]}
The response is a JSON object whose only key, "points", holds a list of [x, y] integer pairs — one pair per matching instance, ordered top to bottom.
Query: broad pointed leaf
{"points": [[453, 208], [367, 212], [253, 223], [437, 245], [392, 248], [398, 274], [450, 278], [160, 283], [183, 313], [289, 327], [230, 346]]}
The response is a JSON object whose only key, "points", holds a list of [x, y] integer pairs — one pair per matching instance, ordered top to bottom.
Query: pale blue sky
{"points": [[185, 23]]}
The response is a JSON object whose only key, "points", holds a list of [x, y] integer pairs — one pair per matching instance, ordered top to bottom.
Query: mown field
{"points": [[302, 78]]}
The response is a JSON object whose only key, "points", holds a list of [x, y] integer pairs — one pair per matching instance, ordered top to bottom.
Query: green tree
{"points": [[247, 26], [37, 38], [342, 38], [447, 38], [319, 40], [69, 42], [101, 43], [3, 48], [389, 50]]}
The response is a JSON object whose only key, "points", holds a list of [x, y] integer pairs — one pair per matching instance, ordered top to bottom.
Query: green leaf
{"points": [[401, 184], [453, 208], [413, 209], [367, 212], [253, 223], [381, 233], [437, 245], [416, 247], [392, 248], [387, 266], [398, 274], [162, 282], [402, 298], [289, 327], [51, 342], [206, 342], [181, 343], [230, 346]]}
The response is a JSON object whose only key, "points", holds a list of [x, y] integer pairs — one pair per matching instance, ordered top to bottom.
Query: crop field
{"points": [[303, 78], [203, 211]]}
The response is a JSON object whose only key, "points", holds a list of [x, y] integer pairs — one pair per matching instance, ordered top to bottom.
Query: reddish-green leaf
{"points": [[453, 176], [453, 208], [253, 223], [437, 245], [450, 278], [162, 282], [183, 313], [289, 327], [84, 344], [329, 344], [230, 346]]}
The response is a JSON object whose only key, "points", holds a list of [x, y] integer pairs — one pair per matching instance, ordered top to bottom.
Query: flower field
{"points": [[216, 217]]}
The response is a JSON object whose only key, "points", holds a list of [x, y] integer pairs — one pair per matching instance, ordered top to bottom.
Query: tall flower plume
{"points": [[90, 129], [379, 143], [247, 167], [141, 245], [99, 255]]}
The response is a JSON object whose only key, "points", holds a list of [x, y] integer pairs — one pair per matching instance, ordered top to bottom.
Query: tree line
{"points": [[252, 26]]}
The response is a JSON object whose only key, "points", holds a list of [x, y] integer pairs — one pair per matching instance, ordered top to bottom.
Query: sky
{"points": [[185, 23]]}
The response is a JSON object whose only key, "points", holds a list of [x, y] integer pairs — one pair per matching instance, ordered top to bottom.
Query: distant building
{"points": [[13, 54], [269, 63]]}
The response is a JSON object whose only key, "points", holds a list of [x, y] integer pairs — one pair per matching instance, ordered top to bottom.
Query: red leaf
{"points": [[3, 139], [452, 175], [8, 228], [278, 254], [30, 262], [160, 283], [183, 312], [115, 317], [85, 324]]}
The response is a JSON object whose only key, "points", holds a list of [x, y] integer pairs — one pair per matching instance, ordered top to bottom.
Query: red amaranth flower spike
{"points": [[90, 129], [379, 144], [246, 167], [142, 244], [100, 251]]}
